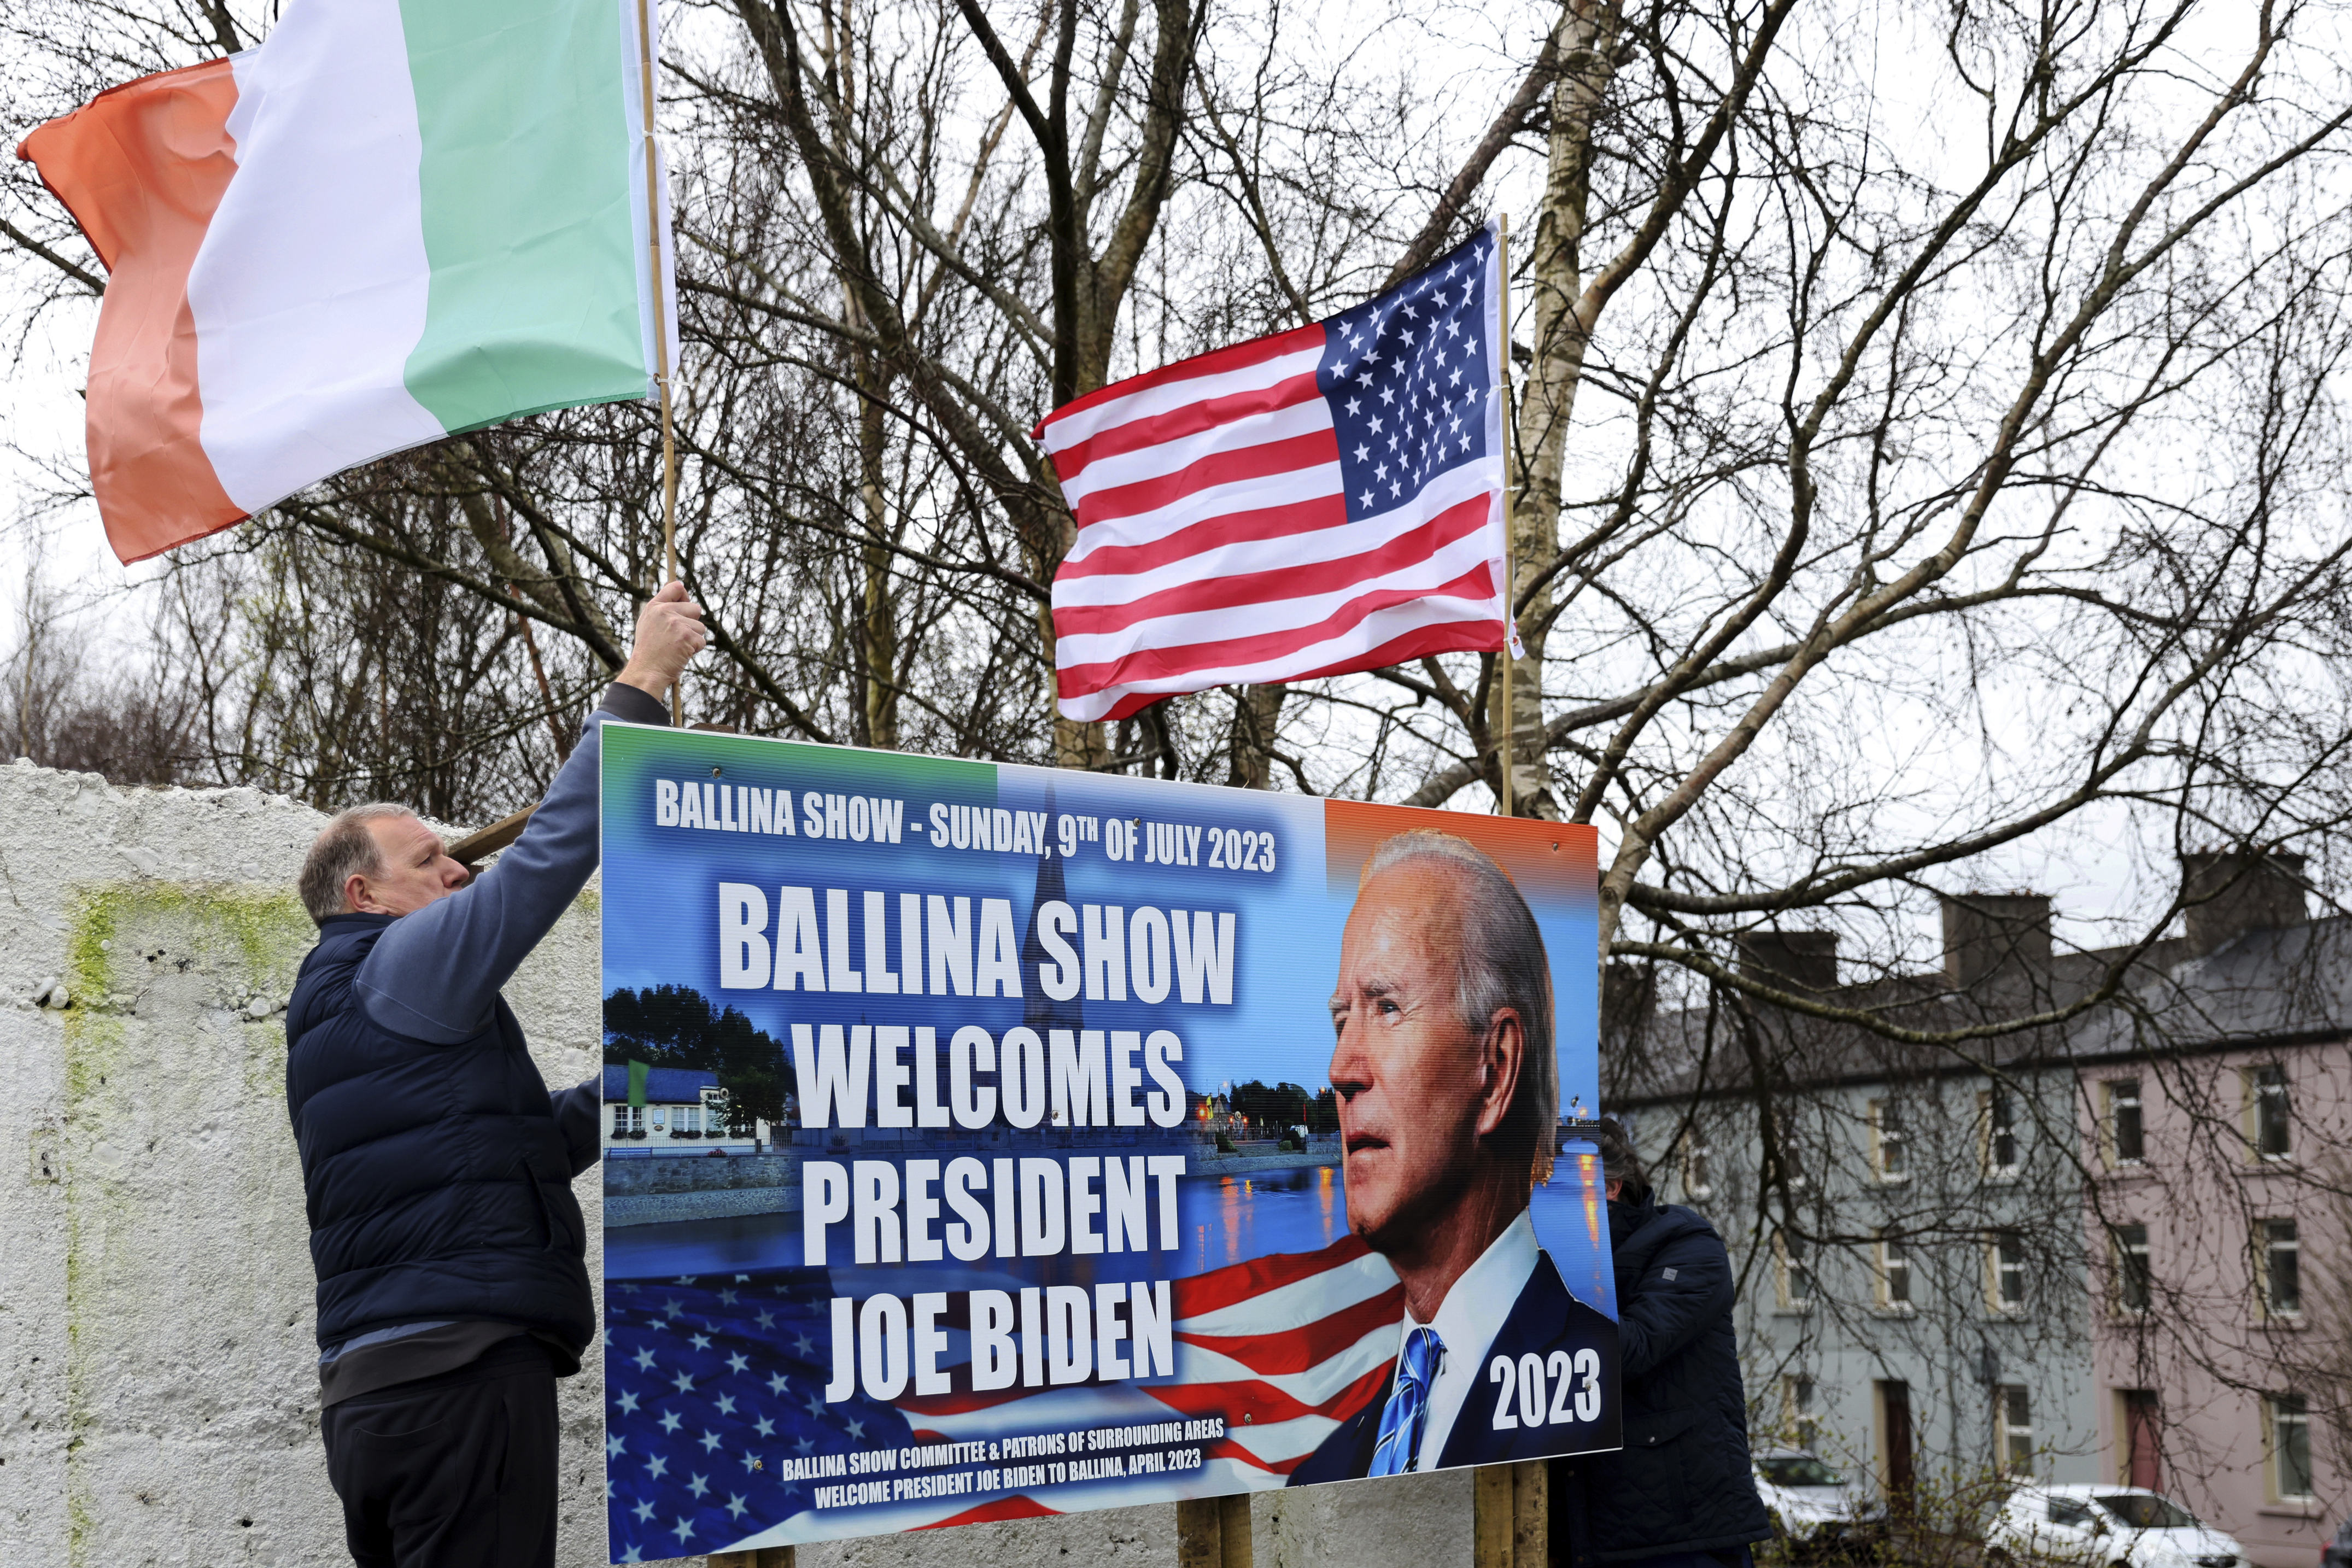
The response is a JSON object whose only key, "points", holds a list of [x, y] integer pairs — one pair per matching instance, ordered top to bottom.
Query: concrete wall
{"points": [[160, 1404]]}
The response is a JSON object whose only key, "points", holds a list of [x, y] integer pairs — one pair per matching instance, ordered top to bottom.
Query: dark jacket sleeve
{"points": [[435, 974], [578, 1112], [1664, 1314]]}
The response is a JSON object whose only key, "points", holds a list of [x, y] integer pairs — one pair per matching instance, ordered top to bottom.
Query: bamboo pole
{"points": [[646, 53], [1508, 755]]}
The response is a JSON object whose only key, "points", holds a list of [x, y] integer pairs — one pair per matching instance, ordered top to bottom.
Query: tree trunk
{"points": [[1587, 41], [879, 622], [1256, 708]]}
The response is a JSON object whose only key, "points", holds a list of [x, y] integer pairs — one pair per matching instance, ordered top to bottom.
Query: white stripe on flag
{"points": [[632, 101], [309, 290], [1167, 398], [1165, 457], [1216, 500], [1337, 542], [1182, 628], [1375, 629], [1284, 1307], [1326, 1379]]}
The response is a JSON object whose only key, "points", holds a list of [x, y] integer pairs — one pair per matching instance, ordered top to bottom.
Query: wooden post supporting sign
{"points": [[1510, 1508], [1213, 1533], [766, 1557]]}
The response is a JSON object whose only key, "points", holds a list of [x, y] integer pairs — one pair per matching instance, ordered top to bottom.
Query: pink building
{"points": [[2216, 1114]]}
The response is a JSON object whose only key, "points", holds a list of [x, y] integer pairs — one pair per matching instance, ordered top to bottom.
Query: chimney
{"points": [[2230, 893], [1994, 935], [1807, 959]]}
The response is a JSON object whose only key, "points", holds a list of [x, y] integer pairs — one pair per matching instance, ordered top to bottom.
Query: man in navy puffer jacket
{"points": [[448, 1247], [1680, 1493]]}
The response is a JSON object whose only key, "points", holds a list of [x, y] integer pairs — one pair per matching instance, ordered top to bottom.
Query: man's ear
{"points": [[355, 893], [1503, 1058]]}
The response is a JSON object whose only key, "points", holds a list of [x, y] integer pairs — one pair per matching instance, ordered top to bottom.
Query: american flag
{"points": [[1326, 500], [715, 1412]]}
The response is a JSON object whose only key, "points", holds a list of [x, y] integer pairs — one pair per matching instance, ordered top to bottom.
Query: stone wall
{"points": [[160, 1404]]}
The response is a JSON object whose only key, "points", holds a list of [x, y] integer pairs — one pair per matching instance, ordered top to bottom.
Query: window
{"points": [[2267, 1113], [628, 1121], [686, 1122], [2000, 1133], [2126, 1138], [1889, 1150], [2278, 1267], [2005, 1272], [1793, 1274], [1894, 1274], [2132, 1279], [2287, 1417], [1801, 1423], [2012, 1430], [1796, 1469], [2134, 1511], [2071, 1512]]}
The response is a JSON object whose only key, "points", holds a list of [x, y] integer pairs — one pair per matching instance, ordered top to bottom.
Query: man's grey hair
{"points": [[343, 848], [1501, 964], [1619, 1163]]}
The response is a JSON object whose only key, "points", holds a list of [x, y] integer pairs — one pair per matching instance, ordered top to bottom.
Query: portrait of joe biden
{"points": [[1448, 1082]]}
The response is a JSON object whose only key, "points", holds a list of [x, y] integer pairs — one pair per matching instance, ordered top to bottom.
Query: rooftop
{"points": [[664, 1086]]}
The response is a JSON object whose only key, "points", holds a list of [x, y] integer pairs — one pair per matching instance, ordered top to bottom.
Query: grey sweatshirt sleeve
{"points": [[435, 973]]}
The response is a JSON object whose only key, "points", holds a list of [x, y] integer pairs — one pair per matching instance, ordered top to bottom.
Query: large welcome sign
{"points": [[984, 1143]]}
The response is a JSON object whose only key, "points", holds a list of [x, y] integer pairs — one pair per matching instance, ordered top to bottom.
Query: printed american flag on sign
{"points": [[1326, 500], [714, 1388]]}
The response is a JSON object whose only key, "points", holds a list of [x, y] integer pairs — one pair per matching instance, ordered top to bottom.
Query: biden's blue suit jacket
{"points": [[1546, 1319]]}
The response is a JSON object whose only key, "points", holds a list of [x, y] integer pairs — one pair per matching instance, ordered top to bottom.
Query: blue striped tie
{"points": [[1408, 1406]]}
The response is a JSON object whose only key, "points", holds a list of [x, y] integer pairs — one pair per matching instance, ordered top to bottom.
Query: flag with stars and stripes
{"points": [[1326, 500], [710, 1382], [715, 1412]]}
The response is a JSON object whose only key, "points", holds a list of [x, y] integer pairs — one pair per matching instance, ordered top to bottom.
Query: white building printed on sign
{"points": [[685, 1112]]}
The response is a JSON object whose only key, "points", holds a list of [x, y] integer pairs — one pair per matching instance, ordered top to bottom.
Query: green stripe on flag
{"points": [[532, 304], [638, 1071]]}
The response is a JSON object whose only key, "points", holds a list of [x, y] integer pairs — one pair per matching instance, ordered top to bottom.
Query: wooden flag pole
{"points": [[661, 325], [1510, 575]]}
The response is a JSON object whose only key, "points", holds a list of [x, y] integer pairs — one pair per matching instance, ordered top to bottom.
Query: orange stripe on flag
{"points": [[142, 168]]}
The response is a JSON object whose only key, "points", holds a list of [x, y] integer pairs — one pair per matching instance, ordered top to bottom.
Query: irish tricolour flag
{"points": [[394, 220]]}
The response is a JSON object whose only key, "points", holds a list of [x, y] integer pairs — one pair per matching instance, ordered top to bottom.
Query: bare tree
{"points": [[1929, 468]]}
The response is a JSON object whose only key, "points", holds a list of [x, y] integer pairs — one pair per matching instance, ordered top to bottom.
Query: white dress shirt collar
{"points": [[1466, 1323]]}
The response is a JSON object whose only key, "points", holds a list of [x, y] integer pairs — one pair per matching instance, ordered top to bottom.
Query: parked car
{"points": [[1810, 1501], [2125, 1527], [2337, 1553]]}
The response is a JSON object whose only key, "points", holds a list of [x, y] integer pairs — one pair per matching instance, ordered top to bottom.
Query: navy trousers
{"points": [[451, 1471]]}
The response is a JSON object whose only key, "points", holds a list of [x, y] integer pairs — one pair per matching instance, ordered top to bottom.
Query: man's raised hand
{"points": [[670, 633]]}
